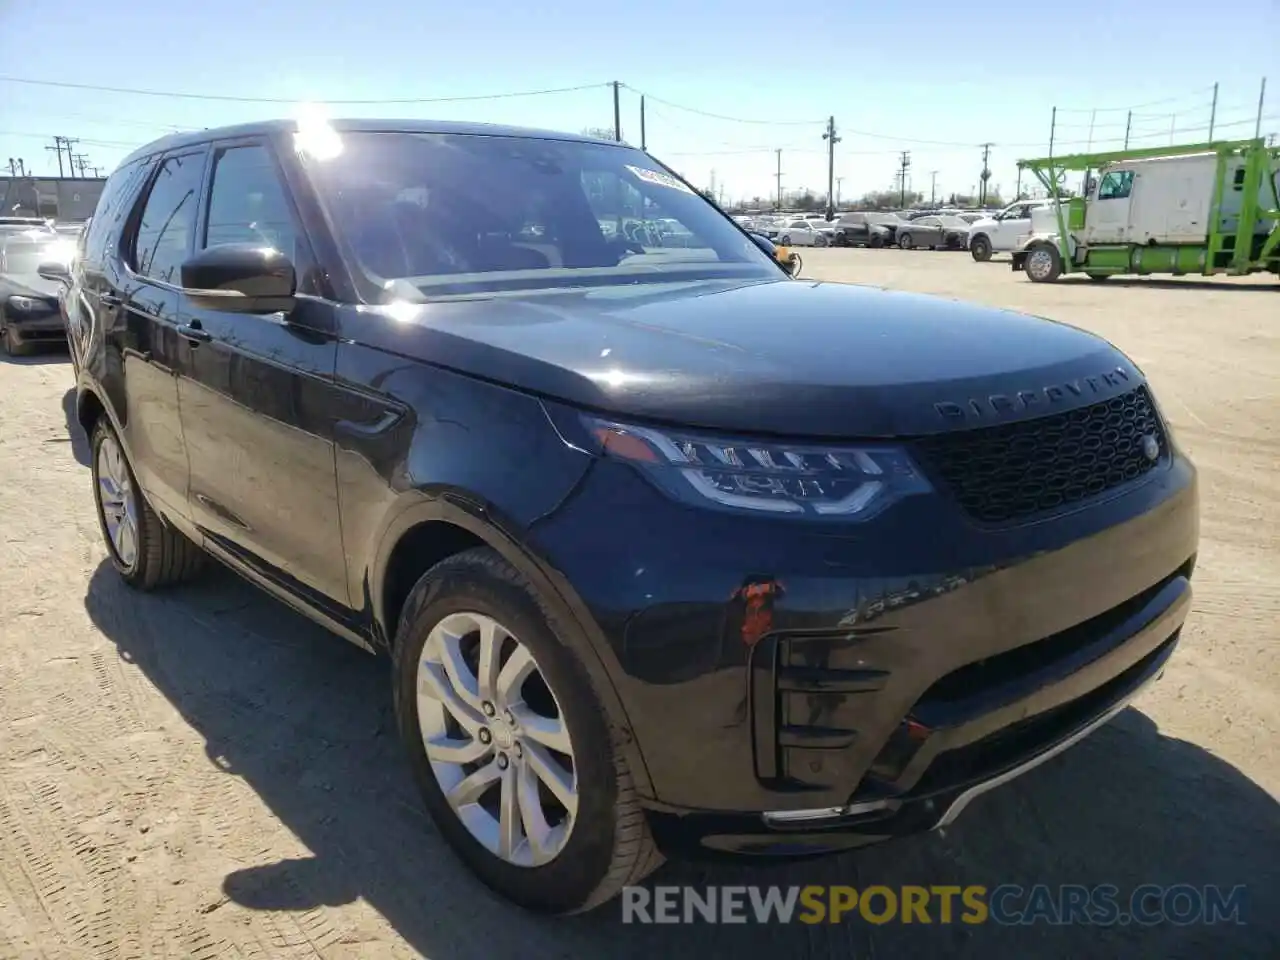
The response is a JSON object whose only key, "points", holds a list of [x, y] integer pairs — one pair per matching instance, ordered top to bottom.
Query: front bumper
{"points": [[37, 327], [898, 668]]}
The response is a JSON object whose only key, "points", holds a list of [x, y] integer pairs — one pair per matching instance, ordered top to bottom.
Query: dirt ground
{"points": [[203, 774]]}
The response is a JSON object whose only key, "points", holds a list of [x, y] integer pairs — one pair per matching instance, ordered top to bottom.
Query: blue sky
{"points": [[934, 78]]}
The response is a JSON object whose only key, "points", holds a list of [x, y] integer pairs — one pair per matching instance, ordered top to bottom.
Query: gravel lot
{"points": [[203, 774]]}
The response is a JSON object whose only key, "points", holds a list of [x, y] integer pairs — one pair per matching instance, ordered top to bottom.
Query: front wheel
{"points": [[784, 240], [905, 241], [980, 248], [1044, 263], [10, 345], [509, 744]]}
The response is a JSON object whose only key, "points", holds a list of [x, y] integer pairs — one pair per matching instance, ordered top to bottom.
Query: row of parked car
{"points": [[981, 232]]}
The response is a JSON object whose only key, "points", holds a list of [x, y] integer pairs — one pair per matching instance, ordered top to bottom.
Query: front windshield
{"points": [[431, 215], [21, 256]]}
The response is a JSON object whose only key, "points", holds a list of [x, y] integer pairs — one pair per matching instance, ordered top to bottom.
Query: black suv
{"points": [[670, 551]]}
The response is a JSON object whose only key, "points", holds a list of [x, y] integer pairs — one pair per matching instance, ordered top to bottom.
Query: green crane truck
{"points": [[1203, 209]]}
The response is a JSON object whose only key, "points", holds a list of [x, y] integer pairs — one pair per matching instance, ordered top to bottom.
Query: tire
{"points": [[784, 240], [820, 241], [876, 241], [905, 242], [980, 248], [1043, 263], [11, 346], [160, 555], [608, 844]]}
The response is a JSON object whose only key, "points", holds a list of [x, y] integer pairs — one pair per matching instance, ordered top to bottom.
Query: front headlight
{"points": [[27, 305], [765, 477]]}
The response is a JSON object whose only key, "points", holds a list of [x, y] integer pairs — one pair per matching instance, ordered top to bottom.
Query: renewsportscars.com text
{"points": [[1007, 904]]}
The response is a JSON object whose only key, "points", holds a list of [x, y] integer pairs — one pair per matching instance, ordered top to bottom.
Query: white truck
{"points": [[1202, 209], [1000, 233]]}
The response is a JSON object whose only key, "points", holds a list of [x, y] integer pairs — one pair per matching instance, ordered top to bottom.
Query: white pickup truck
{"points": [[1001, 233]]}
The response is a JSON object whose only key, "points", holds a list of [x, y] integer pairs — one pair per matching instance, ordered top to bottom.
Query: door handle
{"points": [[110, 300], [195, 333]]}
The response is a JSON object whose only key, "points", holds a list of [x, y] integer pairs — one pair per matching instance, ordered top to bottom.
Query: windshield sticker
{"points": [[658, 178]]}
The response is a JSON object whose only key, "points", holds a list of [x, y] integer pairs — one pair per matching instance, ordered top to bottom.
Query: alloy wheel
{"points": [[118, 501], [496, 739]]}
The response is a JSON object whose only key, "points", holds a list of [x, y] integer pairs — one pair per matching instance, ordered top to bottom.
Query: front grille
{"points": [[1016, 470]]}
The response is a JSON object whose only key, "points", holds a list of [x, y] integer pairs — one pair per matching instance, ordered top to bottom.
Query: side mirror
{"points": [[55, 271], [240, 278]]}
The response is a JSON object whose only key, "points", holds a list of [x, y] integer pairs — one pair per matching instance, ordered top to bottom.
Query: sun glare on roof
{"points": [[315, 136]]}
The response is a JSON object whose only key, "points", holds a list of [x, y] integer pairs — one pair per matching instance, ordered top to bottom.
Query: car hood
{"points": [[984, 224], [28, 285], [786, 357]]}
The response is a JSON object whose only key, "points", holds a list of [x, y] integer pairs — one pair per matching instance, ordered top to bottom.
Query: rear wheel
{"points": [[785, 240], [876, 240], [905, 241], [980, 248], [1044, 263], [144, 551], [509, 744]]}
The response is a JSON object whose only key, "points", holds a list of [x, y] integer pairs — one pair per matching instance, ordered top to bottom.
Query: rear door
{"points": [[137, 298], [258, 399]]}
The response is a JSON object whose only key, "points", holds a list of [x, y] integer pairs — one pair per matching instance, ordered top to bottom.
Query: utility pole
{"points": [[1262, 98], [617, 111], [1213, 112], [1093, 115], [1128, 125], [642, 140], [832, 140], [58, 143], [81, 161], [903, 166], [778, 175], [985, 176], [933, 187], [1017, 191]]}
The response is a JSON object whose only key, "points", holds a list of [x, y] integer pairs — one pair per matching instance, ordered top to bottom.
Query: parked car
{"points": [[860, 230], [798, 232], [933, 232], [1000, 234], [30, 313], [643, 588]]}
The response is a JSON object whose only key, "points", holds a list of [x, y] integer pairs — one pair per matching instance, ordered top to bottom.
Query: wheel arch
{"points": [[429, 528]]}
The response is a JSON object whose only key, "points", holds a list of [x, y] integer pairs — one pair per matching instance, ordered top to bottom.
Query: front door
{"points": [[1107, 220], [257, 398]]}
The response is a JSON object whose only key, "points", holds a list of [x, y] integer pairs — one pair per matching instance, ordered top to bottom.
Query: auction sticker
{"points": [[658, 178]]}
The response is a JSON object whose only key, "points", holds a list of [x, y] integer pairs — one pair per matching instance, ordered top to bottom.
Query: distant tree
{"points": [[888, 199]]}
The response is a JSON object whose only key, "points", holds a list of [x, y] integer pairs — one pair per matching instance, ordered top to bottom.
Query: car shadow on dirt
{"points": [[79, 442], [304, 719]]}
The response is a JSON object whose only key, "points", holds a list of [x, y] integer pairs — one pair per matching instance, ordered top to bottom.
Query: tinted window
{"points": [[247, 202], [112, 207], [458, 213], [169, 219]]}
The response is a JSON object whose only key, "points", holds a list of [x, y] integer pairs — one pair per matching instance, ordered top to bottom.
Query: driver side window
{"points": [[1116, 185]]}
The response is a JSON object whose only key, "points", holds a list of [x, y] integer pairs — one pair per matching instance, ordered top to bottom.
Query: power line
{"points": [[227, 98], [1138, 106], [721, 116]]}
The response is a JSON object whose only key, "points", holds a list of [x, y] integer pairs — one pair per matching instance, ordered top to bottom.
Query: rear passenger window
{"points": [[247, 202], [169, 219]]}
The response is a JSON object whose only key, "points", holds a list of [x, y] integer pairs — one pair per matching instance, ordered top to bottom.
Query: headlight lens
{"points": [[28, 305], [765, 477]]}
